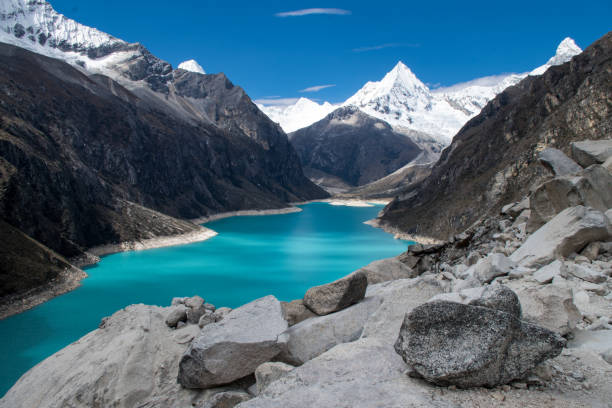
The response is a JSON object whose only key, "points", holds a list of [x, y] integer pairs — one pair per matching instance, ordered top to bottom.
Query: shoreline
{"points": [[245, 213], [397, 234]]}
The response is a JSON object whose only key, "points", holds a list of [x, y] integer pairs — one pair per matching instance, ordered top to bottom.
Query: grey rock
{"points": [[590, 152], [558, 162], [608, 164], [515, 209], [568, 232], [592, 250], [472, 258], [388, 269], [486, 269], [547, 273], [585, 273], [462, 284], [337, 295], [500, 298], [178, 301], [194, 302], [209, 306], [223, 311], [295, 311], [177, 314], [194, 314], [210, 317], [314, 336], [474, 345], [234, 347], [607, 356], [267, 373], [226, 399]]}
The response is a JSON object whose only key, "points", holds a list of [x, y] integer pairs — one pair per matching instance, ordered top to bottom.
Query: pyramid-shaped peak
{"points": [[568, 46]]}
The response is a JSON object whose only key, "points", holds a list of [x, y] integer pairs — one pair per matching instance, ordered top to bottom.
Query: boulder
{"points": [[590, 152], [558, 162], [608, 164], [591, 188], [515, 209], [568, 232], [387, 269], [486, 269], [582, 271], [547, 273], [337, 295], [497, 297], [178, 301], [194, 302], [550, 306], [296, 312], [177, 314], [194, 314], [209, 317], [315, 336], [471, 346], [234, 347], [131, 361], [267, 373], [226, 399]]}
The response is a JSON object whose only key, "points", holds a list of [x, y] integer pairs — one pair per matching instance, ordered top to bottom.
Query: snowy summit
{"points": [[192, 65]]}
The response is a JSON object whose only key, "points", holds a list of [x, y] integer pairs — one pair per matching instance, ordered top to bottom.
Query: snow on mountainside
{"points": [[192, 66], [402, 100], [299, 115]]}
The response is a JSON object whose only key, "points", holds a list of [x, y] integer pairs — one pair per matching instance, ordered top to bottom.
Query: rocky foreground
{"points": [[515, 311]]}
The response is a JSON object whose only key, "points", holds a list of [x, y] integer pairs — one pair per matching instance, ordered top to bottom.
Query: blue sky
{"points": [[271, 54]]}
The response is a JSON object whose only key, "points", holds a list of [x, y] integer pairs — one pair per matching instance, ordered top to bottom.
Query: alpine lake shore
{"points": [[518, 307]]}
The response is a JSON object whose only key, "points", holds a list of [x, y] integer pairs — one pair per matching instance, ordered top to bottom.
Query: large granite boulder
{"points": [[590, 152], [558, 162], [591, 188], [569, 231], [388, 269], [487, 269], [337, 295], [295, 311], [316, 335], [235, 346], [471, 346], [131, 360], [267, 373]]}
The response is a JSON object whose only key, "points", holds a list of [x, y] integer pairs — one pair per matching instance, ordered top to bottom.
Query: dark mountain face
{"points": [[353, 146], [75, 150], [493, 160]]}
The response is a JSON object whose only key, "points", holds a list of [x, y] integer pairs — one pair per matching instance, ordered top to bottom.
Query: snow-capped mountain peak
{"points": [[565, 51], [192, 66], [302, 113]]}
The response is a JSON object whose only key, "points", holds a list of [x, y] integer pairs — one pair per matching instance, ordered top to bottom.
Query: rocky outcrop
{"points": [[353, 146], [589, 152], [492, 161], [558, 162], [570, 231], [387, 269], [331, 297], [295, 311], [482, 343], [234, 347]]}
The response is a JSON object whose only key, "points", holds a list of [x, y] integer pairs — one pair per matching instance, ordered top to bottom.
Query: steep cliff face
{"points": [[353, 147], [76, 152], [493, 158]]}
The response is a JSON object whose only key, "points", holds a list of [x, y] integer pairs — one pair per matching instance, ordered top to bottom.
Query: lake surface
{"points": [[254, 256]]}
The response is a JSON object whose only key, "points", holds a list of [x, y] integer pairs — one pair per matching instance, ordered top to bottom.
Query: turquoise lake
{"points": [[253, 256]]}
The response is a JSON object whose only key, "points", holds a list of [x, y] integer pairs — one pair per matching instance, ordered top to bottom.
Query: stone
{"points": [[590, 152], [558, 162], [608, 164], [591, 189], [515, 209], [568, 232], [591, 251], [472, 258], [387, 269], [486, 269], [547, 273], [585, 273], [462, 284], [592, 287], [337, 295], [499, 297], [581, 300], [178, 301], [194, 302], [209, 306], [548, 306], [223, 311], [295, 311], [177, 314], [194, 314], [208, 318], [180, 325], [316, 335], [235, 346], [472, 346], [607, 356], [131, 362], [267, 373], [226, 399]]}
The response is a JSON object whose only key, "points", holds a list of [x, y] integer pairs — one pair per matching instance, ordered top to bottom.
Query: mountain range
{"points": [[402, 100]]}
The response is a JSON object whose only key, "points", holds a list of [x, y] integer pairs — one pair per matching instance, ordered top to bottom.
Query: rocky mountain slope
{"points": [[105, 143], [352, 146], [493, 159], [495, 316]]}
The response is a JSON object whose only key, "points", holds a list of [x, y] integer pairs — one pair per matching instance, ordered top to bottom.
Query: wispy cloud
{"points": [[306, 12], [383, 46], [316, 88], [276, 101]]}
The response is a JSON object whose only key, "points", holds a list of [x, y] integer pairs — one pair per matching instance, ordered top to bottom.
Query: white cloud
{"points": [[305, 12], [383, 46], [491, 80], [316, 88], [276, 101]]}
